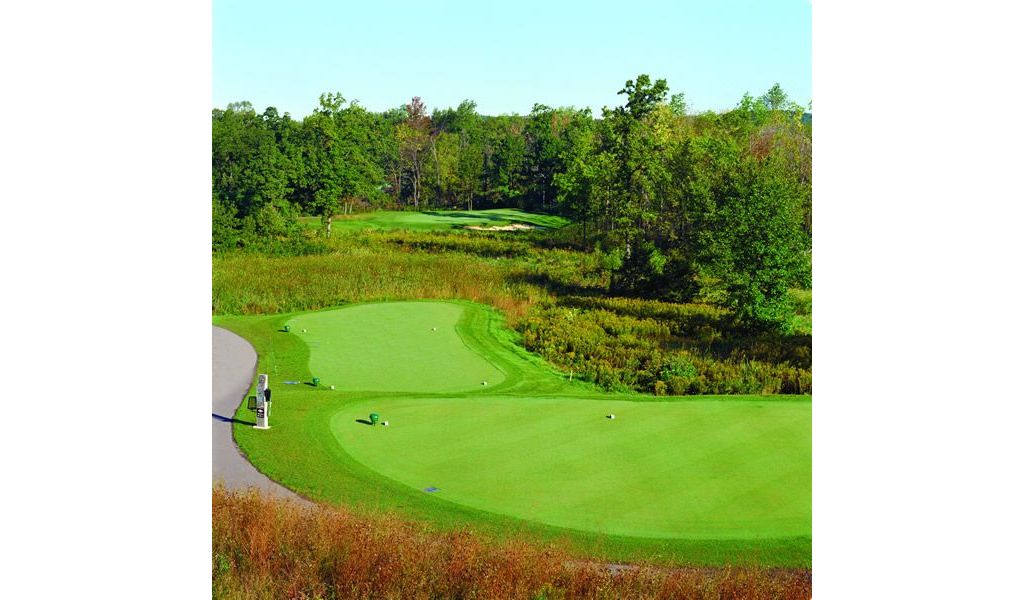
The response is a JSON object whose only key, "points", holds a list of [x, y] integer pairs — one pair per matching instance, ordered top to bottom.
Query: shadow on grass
{"points": [[557, 286], [224, 419], [364, 421]]}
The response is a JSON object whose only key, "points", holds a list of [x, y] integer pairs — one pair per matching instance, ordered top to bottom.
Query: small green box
{"points": [[287, 328], [316, 381], [374, 418]]}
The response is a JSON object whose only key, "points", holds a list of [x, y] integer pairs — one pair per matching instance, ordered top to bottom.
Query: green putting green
{"points": [[393, 347], [697, 469]]}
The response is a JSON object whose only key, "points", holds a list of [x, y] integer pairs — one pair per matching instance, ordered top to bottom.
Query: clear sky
{"points": [[505, 55]]}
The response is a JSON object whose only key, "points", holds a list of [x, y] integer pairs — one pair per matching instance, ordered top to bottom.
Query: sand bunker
{"points": [[510, 227]]}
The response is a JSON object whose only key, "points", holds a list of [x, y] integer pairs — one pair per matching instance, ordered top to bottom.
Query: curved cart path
{"points": [[234, 366]]}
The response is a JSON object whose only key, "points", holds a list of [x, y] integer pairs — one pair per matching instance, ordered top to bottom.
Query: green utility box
{"points": [[287, 328], [316, 381], [374, 418]]}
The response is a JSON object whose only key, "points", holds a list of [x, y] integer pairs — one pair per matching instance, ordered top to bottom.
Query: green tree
{"points": [[775, 98], [678, 104], [465, 123], [547, 135], [637, 138], [414, 142], [388, 151], [340, 159], [507, 160], [362, 175], [250, 178], [582, 182], [319, 189], [226, 234], [753, 241]]}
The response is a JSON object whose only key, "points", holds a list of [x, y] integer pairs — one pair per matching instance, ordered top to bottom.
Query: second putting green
{"points": [[393, 347]]}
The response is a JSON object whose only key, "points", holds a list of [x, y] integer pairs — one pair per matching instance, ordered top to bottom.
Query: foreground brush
{"points": [[270, 548]]}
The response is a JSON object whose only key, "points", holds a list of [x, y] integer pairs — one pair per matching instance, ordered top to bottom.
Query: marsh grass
{"points": [[250, 284]]}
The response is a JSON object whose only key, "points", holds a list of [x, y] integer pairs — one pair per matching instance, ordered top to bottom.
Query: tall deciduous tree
{"points": [[464, 123], [637, 141], [414, 142], [508, 159], [250, 180], [760, 249]]}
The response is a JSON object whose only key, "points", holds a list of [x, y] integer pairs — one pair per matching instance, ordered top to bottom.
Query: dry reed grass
{"points": [[270, 548]]}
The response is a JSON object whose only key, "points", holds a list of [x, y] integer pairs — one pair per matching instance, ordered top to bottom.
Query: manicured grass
{"points": [[439, 219], [393, 347], [698, 469], [709, 481]]}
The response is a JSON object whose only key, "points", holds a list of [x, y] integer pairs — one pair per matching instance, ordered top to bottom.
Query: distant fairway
{"points": [[440, 219], [393, 347], [698, 469], [705, 480]]}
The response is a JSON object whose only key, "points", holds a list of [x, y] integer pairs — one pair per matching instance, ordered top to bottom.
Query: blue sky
{"points": [[505, 55]]}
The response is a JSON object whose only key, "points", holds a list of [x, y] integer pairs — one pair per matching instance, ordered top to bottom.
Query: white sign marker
{"points": [[262, 406]]}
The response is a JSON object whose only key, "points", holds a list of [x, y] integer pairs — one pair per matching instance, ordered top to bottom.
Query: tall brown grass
{"points": [[252, 284], [271, 548]]}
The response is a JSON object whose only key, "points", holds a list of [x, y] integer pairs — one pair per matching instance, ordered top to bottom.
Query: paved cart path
{"points": [[234, 367]]}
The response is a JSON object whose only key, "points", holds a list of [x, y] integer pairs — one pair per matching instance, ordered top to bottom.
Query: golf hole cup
{"points": [[374, 418]]}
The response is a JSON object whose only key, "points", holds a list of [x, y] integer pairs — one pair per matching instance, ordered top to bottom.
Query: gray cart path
{"points": [[234, 368]]}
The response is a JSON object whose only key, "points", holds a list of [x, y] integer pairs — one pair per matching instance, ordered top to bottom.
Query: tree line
{"points": [[678, 204]]}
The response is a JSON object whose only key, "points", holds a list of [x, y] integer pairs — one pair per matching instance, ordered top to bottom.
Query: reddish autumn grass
{"points": [[271, 548]]}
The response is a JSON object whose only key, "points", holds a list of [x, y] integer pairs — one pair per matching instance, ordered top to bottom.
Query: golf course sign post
{"points": [[262, 402]]}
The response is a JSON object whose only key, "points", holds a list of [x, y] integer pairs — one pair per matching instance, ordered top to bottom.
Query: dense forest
{"points": [[675, 205]]}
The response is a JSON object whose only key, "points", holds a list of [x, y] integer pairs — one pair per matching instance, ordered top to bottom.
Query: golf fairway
{"points": [[439, 220]]}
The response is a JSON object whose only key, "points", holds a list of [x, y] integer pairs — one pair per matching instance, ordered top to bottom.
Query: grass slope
{"points": [[439, 219], [303, 452]]}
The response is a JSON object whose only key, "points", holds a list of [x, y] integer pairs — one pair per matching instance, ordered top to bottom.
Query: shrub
{"points": [[621, 351]]}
